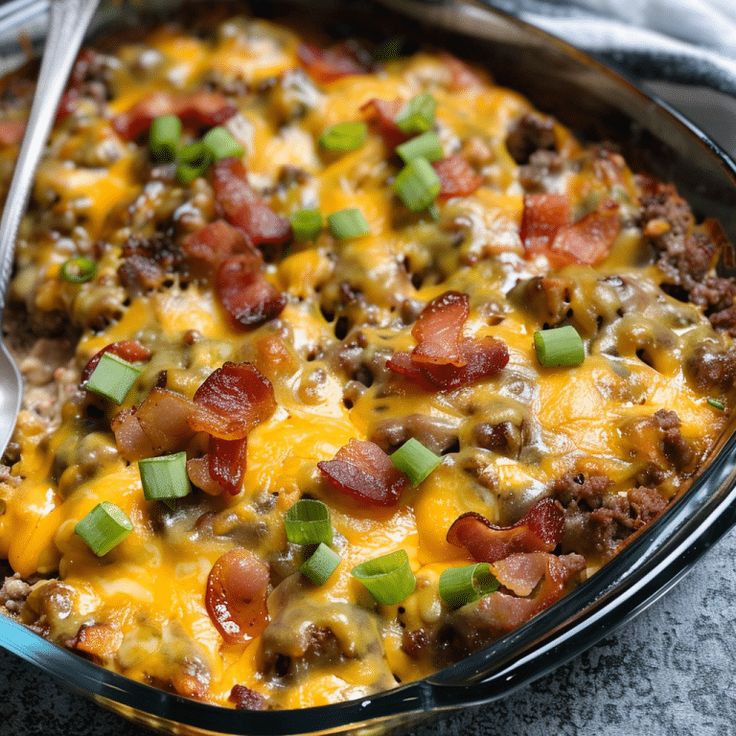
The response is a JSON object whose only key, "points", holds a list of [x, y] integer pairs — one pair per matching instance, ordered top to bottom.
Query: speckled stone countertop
{"points": [[670, 672]]}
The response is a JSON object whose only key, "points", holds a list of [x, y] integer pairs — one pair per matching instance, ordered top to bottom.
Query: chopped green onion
{"points": [[389, 49], [417, 116], [164, 137], [343, 137], [221, 143], [427, 145], [192, 162], [417, 184], [434, 211], [306, 224], [348, 224], [78, 270], [561, 346], [112, 378], [716, 404], [415, 460], [165, 477], [308, 522], [104, 528], [320, 566], [389, 578], [462, 585]]}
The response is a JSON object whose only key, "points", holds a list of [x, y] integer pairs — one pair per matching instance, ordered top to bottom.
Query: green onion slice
{"points": [[417, 115], [164, 137], [343, 137], [221, 143], [427, 145], [192, 162], [417, 184], [306, 224], [348, 224], [78, 270], [559, 347], [113, 378], [716, 404], [415, 460], [165, 477], [308, 522], [104, 528], [320, 566], [389, 578], [462, 585]]}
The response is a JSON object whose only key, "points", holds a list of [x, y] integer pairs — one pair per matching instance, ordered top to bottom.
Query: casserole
{"points": [[438, 693]]}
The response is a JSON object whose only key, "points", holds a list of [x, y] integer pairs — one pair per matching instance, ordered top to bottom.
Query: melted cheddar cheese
{"points": [[350, 306]]}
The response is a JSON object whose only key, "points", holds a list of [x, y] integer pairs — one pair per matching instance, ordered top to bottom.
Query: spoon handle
{"points": [[68, 22]]}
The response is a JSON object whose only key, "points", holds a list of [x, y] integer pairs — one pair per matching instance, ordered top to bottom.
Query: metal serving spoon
{"points": [[68, 23]]}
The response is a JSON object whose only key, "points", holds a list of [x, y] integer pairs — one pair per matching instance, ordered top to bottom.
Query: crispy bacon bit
{"points": [[327, 65], [462, 77], [202, 109], [382, 114], [11, 132], [457, 177], [243, 208], [544, 215], [589, 240], [217, 241], [248, 298], [439, 330], [130, 350], [483, 358], [233, 400], [164, 418], [226, 463], [198, 470], [363, 470], [539, 530], [521, 572], [236, 596], [503, 612], [99, 641], [247, 699]]}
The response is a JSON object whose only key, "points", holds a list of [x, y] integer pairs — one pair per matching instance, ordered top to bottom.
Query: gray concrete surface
{"points": [[668, 673]]}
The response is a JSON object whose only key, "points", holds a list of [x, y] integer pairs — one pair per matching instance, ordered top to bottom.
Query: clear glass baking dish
{"points": [[598, 104]]}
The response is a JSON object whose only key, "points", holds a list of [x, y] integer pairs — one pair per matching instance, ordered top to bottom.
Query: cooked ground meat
{"points": [[531, 132], [539, 174], [149, 262], [712, 367], [676, 449], [597, 521], [13, 593], [247, 699]]}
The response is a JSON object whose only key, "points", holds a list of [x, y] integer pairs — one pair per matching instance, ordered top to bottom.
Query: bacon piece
{"points": [[327, 65], [462, 76], [201, 109], [382, 114], [11, 132], [457, 177], [243, 208], [544, 215], [589, 240], [216, 241], [245, 293], [439, 330], [130, 350], [483, 358], [233, 400], [164, 418], [132, 442], [226, 463], [198, 470], [363, 470], [539, 530], [520, 572], [236, 596], [502, 612], [99, 641], [247, 699]]}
